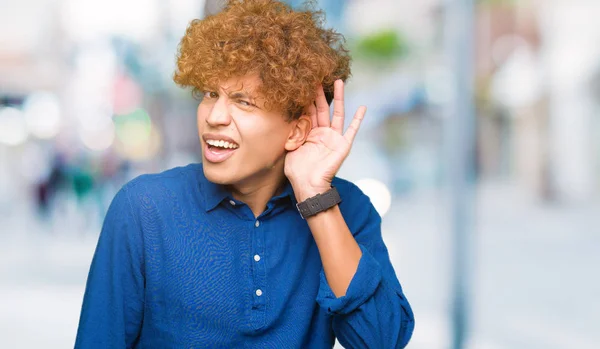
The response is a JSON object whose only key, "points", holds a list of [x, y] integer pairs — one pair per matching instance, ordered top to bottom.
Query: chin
{"points": [[218, 174], [215, 175]]}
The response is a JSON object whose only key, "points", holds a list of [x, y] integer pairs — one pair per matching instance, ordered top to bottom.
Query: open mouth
{"points": [[221, 144], [219, 150]]}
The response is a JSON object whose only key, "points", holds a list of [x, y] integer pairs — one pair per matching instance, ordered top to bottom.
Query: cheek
{"points": [[201, 114], [263, 138]]}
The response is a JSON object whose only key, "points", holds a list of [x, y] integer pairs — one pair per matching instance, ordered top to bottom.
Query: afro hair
{"points": [[288, 50]]}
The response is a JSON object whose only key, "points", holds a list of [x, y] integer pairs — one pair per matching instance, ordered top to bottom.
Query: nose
{"points": [[219, 114]]}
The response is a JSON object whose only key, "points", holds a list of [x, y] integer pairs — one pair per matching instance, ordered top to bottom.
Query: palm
{"points": [[326, 146]]}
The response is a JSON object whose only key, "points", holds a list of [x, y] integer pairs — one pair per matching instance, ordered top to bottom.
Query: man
{"points": [[260, 246]]}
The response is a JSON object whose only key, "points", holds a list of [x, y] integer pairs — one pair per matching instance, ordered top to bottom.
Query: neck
{"points": [[257, 192]]}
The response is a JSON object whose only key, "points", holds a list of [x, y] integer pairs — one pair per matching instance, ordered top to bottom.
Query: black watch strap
{"points": [[319, 203]]}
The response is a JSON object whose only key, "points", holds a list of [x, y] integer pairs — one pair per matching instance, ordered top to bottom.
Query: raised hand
{"points": [[312, 166]]}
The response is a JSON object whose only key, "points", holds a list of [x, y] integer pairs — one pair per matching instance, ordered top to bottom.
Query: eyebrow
{"points": [[241, 94], [244, 94]]}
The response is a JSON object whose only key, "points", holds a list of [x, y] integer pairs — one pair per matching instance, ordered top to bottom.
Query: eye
{"points": [[211, 94], [245, 103]]}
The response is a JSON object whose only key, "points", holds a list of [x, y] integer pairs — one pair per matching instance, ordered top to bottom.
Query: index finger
{"points": [[355, 124]]}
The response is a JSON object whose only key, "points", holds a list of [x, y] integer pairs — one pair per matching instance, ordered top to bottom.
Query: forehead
{"points": [[249, 84]]}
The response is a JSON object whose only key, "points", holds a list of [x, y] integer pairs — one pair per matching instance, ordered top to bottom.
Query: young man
{"points": [[253, 248]]}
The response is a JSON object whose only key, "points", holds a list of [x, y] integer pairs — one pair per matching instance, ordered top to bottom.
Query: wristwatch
{"points": [[319, 203]]}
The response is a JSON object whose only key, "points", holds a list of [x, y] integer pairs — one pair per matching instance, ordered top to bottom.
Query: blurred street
{"points": [[510, 109], [529, 257]]}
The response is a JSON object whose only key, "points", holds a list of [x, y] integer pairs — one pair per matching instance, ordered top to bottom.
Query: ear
{"points": [[299, 132]]}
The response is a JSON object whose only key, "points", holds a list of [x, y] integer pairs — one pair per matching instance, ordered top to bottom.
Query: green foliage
{"points": [[384, 45]]}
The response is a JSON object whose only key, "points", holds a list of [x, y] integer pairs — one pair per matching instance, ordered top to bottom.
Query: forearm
{"points": [[340, 254], [359, 287], [384, 320]]}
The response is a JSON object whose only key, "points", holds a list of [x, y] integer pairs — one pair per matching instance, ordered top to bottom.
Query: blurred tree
{"points": [[385, 45]]}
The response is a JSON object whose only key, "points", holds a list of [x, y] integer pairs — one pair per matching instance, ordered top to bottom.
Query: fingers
{"points": [[322, 108], [312, 112], [337, 123], [355, 124]]}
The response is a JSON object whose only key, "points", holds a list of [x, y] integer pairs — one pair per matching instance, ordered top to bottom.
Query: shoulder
{"points": [[175, 177], [172, 184], [348, 190], [354, 200], [356, 207]]}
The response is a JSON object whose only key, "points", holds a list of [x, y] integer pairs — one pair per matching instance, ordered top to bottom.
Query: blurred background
{"points": [[87, 103]]}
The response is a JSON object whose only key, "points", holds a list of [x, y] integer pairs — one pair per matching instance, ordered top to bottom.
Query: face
{"points": [[242, 142]]}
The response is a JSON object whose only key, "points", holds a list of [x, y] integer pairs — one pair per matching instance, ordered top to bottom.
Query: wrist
{"points": [[304, 191], [318, 203]]}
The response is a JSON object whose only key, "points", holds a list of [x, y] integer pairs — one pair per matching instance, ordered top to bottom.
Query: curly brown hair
{"points": [[288, 50]]}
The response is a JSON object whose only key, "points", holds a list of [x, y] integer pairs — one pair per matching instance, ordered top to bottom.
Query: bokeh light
{"points": [[42, 114], [13, 130], [100, 138], [137, 139], [378, 192]]}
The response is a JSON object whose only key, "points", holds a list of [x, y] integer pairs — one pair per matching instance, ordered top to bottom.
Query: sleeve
{"points": [[113, 303], [374, 313]]}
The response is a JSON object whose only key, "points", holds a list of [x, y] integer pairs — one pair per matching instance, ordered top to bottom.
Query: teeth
{"points": [[221, 144]]}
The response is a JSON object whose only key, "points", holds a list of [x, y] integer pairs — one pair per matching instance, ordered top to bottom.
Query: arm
{"points": [[340, 254], [359, 287], [112, 310]]}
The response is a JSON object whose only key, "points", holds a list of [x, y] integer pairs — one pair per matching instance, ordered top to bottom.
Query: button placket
{"points": [[256, 259], [259, 265]]}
